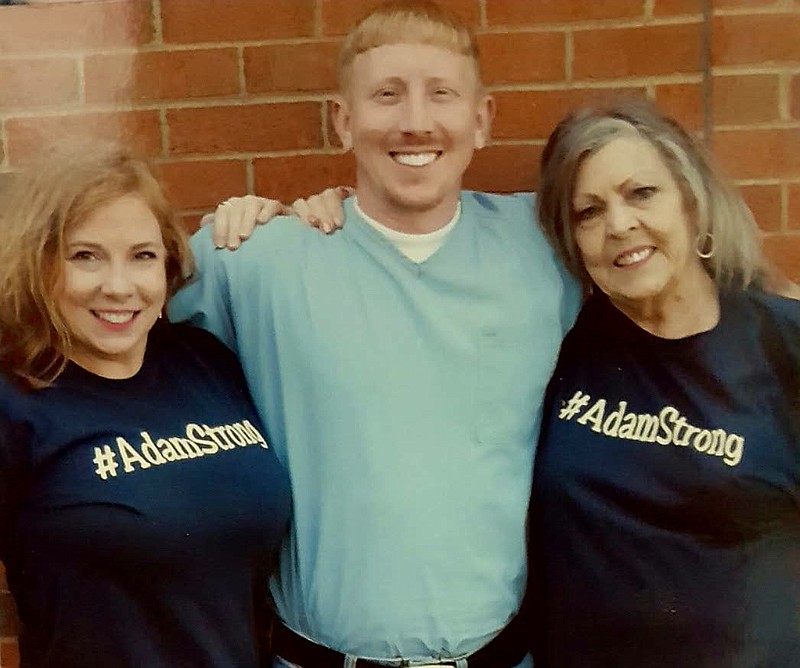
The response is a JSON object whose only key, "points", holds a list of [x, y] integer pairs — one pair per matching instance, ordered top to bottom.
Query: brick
{"points": [[744, 4], [677, 7], [515, 12], [338, 16], [186, 21], [75, 26], [755, 39], [637, 52], [509, 58], [309, 67], [162, 75], [38, 82], [795, 97], [740, 100], [684, 102], [534, 114], [254, 128], [28, 136], [753, 154], [509, 168], [288, 178], [203, 184], [765, 203], [793, 218], [191, 223], [784, 251], [9, 624], [9, 654]]}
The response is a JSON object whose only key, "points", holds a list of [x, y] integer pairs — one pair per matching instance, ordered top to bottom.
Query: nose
{"points": [[417, 117], [620, 218], [117, 280]]}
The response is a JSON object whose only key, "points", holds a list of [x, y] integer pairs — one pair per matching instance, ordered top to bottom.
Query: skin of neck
{"points": [[408, 219], [691, 308]]}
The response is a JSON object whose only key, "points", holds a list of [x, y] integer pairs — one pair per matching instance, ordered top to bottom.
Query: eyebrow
{"points": [[641, 178], [94, 244]]}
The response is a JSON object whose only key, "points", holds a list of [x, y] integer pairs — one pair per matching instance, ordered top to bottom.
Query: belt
{"points": [[506, 650]]}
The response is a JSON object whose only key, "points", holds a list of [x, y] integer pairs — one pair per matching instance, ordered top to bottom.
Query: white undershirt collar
{"points": [[416, 247]]}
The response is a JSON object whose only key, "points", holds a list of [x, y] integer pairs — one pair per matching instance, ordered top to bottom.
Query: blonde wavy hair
{"points": [[406, 23], [717, 206], [37, 210]]}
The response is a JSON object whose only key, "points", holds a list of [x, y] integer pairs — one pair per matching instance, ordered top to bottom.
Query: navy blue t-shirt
{"points": [[139, 518], [665, 525]]}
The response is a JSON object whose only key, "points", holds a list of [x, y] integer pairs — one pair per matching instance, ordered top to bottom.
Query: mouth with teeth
{"points": [[414, 159], [634, 257], [115, 320]]}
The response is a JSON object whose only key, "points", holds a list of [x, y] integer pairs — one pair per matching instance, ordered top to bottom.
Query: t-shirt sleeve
{"points": [[205, 301]]}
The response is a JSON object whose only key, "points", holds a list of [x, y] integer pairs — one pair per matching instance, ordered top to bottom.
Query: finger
{"points": [[332, 201], [270, 209], [301, 209], [319, 210], [235, 211], [242, 226], [219, 232]]}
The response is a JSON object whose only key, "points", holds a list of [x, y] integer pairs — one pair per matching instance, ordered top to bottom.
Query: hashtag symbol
{"points": [[579, 400], [105, 460]]}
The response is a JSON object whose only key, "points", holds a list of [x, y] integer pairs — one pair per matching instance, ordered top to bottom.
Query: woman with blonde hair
{"points": [[140, 504], [665, 529]]}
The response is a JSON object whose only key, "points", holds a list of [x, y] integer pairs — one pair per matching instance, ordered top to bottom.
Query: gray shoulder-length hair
{"points": [[716, 206]]}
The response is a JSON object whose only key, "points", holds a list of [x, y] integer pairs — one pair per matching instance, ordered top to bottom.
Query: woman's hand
{"points": [[324, 210], [235, 219]]}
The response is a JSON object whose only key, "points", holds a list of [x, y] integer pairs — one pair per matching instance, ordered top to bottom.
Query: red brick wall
{"points": [[229, 96]]}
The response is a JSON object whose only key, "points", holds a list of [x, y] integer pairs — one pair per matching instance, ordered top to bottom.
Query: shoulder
{"points": [[516, 204], [282, 235], [776, 311], [774, 321], [184, 339], [190, 352]]}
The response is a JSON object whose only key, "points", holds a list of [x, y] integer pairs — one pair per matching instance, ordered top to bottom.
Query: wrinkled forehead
{"points": [[621, 159]]}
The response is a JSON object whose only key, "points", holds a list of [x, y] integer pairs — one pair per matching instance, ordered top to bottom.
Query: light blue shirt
{"points": [[405, 400]]}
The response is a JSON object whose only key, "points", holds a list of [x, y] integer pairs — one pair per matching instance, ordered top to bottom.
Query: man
{"points": [[399, 367]]}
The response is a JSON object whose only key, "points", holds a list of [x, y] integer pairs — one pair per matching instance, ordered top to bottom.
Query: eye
{"points": [[444, 93], [386, 94], [643, 192], [585, 214], [146, 255], [83, 256]]}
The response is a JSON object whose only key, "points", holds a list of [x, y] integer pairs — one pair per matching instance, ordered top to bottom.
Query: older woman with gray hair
{"points": [[665, 529]]}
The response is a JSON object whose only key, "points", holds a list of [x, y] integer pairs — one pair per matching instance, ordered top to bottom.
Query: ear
{"points": [[340, 114], [485, 116]]}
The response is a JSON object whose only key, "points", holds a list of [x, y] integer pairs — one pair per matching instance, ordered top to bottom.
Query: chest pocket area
{"points": [[514, 365]]}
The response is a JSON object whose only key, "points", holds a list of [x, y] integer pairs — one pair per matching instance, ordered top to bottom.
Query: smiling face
{"points": [[413, 114], [635, 235], [113, 286]]}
